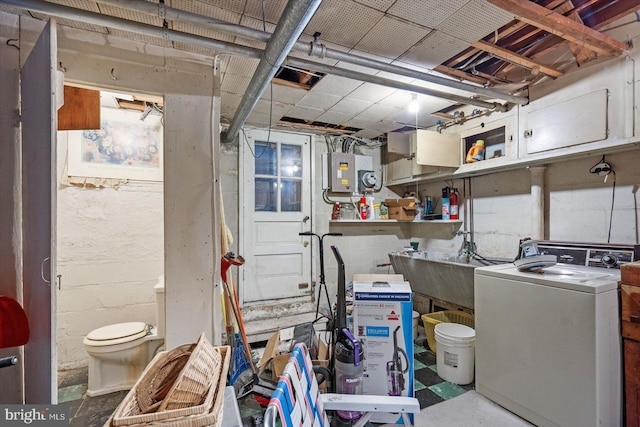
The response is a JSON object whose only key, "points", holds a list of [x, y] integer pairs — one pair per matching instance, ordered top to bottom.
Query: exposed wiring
{"points": [[264, 28], [246, 140], [603, 168], [613, 199]]}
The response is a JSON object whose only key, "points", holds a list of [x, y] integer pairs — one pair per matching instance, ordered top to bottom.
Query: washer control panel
{"points": [[590, 254]]}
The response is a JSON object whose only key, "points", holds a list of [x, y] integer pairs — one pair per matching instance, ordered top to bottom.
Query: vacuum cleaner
{"points": [[348, 355], [395, 373]]}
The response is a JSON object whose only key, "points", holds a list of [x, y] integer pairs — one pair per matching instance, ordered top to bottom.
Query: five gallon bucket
{"points": [[455, 352]]}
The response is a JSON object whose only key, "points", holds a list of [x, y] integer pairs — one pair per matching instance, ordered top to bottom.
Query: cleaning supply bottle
{"points": [[476, 153], [445, 204], [453, 204]]}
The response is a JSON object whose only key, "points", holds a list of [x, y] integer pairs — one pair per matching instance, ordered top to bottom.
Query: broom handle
{"points": [[238, 315]]}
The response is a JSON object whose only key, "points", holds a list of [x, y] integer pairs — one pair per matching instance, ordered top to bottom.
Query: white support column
{"points": [[537, 202], [192, 254]]}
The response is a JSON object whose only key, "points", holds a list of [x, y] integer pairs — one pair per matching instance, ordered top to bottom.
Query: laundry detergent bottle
{"points": [[445, 204]]}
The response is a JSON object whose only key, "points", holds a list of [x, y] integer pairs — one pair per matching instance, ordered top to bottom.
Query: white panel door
{"points": [[39, 126], [275, 203]]}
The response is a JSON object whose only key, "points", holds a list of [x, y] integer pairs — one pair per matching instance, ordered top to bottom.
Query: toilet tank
{"points": [[160, 307]]}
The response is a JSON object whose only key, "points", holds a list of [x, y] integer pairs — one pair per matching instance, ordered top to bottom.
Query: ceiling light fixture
{"points": [[414, 106]]}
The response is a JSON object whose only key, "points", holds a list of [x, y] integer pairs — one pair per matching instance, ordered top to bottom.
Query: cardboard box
{"points": [[402, 209], [382, 318], [278, 350]]}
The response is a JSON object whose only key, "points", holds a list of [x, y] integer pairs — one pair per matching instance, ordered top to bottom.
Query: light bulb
{"points": [[414, 106]]}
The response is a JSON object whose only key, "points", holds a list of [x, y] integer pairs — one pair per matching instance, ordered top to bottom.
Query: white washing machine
{"points": [[548, 345]]}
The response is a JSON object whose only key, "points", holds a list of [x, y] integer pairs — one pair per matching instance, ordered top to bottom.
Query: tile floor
{"points": [[430, 390]]}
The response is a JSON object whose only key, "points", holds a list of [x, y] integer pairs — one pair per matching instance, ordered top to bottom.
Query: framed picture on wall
{"points": [[125, 147]]}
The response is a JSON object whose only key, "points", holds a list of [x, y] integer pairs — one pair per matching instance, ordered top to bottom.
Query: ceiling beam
{"points": [[561, 26], [515, 58], [460, 74]]}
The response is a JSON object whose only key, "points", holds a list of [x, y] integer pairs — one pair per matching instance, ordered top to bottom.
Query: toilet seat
{"points": [[118, 333]]}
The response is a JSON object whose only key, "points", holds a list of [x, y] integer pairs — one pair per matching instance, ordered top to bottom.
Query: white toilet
{"points": [[119, 353]]}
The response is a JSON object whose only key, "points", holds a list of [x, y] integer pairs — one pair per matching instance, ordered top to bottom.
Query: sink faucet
{"points": [[468, 247]]}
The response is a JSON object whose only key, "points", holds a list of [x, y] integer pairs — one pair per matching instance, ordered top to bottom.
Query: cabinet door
{"points": [[438, 149]]}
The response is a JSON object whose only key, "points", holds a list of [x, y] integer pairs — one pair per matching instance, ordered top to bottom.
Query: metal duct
{"points": [[295, 18], [123, 24], [126, 25], [153, 31], [312, 49], [303, 63]]}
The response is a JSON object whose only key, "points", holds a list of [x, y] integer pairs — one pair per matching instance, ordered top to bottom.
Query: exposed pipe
{"points": [[294, 19], [126, 25], [173, 35], [313, 49], [303, 63]]}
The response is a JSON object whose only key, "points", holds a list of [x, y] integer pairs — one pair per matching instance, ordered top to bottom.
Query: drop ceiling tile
{"points": [[80, 4], [233, 5], [381, 5], [273, 9], [213, 10], [429, 13], [475, 20], [344, 22], [383, 38], [434, 50], [241, 66], [235, 84], [335, 85], [370, 92], [289, 95], [399, 99], [230, 100], [321, 101], [351, 107], [276, 109], [378, 112], [304, 113], [334, 118], [261, 119], [359, 123], [388, 126], [369, 133]]}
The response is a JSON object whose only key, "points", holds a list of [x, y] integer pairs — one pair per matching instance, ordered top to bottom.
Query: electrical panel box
{"points": [[343, 172], [347, 173]]}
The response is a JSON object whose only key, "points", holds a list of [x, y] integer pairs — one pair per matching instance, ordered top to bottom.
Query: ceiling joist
{"points": [[561, 26], [514, 58]]}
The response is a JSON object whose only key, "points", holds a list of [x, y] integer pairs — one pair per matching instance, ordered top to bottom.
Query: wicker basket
{"points": [[430, 321], [197, 376], [154, 387], [129, 412]]}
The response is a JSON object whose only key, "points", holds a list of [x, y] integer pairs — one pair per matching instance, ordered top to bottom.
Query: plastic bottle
{"points": [[476, 153], [453, 202], [445, 204], [363, 208]]}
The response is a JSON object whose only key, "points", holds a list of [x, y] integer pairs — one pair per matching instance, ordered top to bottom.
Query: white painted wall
{"points": [[578, 207], [110, 245]]}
